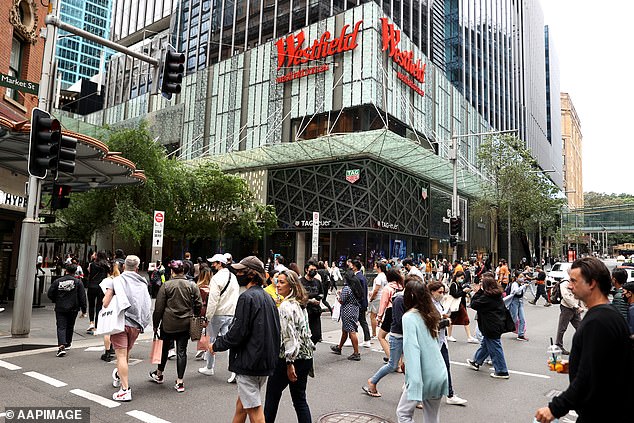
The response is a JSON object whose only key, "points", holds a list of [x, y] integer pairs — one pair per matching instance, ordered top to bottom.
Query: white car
{"points": [[559, 271], [630, 272]]}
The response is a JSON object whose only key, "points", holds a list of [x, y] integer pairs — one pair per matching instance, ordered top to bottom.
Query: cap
{"points": [[218, 257], [228, 257], [251, 262], [176, 264]]}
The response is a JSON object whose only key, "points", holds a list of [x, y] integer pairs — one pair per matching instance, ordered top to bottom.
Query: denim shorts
{"points": [[249, 390]]}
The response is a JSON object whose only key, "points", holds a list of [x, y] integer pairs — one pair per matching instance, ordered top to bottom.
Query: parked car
{"points": [[558, 272]]}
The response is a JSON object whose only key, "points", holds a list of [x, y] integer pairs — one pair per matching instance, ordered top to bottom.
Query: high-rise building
{"points": [[77, 57], [496, 58], [572, 152]]}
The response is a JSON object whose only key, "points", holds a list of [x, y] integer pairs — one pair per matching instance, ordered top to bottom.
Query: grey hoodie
{"points": [[132, 294]]}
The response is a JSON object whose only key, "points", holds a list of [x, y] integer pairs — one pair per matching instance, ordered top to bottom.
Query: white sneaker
{"points": [[91, 328], [451, 339], [473, 340], [366, 344], [171, 354], [200, 355], [488, 362], [207, 372], [232, 378], [116, 382], [122, 395], [456, 400]]}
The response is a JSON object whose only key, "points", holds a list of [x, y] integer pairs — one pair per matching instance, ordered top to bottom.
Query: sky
{"points": [[593, 42]]}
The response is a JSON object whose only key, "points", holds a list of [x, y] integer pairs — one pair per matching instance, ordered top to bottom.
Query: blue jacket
{"points": [[425, 370]]}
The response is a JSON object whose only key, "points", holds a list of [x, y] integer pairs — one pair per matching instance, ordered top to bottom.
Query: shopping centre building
{"points": [[346, 117]]}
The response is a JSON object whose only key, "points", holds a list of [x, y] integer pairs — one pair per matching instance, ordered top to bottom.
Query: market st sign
{"points": [[291, 51], [405, 59]]}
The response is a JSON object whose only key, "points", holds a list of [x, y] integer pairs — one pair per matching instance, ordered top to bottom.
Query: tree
{"points": [[517, 191], [200, 200]]}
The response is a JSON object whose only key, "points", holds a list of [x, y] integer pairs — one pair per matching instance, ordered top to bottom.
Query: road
{"points": [[336, 386]]}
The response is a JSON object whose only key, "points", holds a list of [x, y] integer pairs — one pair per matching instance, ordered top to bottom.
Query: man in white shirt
{"points": [[412, 269], [221, 306], [570, 310]]}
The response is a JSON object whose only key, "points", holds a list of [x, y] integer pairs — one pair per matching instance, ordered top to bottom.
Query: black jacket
{"points": [[97, 272], [314, 290], [68, 294], [491, 314], [254, 336]]}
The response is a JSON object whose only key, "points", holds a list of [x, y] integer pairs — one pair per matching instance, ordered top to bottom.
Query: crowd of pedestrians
{"points": [[268, 316]]}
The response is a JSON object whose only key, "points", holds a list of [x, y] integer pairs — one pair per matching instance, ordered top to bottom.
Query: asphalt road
{"points": [[336, 386]]}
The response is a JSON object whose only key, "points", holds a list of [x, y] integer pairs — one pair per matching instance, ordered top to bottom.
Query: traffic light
{"points": [[173, 70], [45, 132], [64, 151], [60, 197], [455, 226], [453, 240]]}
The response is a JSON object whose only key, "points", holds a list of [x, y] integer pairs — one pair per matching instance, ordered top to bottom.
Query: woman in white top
{"points": [[335, 275], [374, 298]]}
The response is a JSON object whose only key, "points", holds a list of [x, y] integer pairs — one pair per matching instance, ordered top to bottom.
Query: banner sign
{"points": [[157, 234]]}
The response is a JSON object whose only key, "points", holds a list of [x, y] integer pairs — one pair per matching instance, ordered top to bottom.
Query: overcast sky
{"points": [[593, 42]]}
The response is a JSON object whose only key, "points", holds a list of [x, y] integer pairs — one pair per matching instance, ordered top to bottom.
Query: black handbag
{"points": [[509, 324]]}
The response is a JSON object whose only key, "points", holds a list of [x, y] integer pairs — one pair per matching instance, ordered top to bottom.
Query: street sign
{"points": [[18, 84], [157, 233], [315, 245]]}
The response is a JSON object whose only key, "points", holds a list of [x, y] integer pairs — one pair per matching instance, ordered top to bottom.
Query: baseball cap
{"points": [[218, 257], [228, 257], [250, 262], [177, 265]]}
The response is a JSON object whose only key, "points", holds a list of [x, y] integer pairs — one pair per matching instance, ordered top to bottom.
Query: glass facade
{"points": [[79, 58]]}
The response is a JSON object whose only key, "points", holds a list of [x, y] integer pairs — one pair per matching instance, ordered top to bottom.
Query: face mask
{"points": [[312, 273], [243, 280], [460, 280], [438, 296]]}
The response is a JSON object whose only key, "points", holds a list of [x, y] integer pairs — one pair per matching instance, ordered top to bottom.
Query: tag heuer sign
{"points": [[352, 175]]}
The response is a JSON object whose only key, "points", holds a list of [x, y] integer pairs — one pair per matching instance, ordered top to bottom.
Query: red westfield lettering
{"points": [[290, 50], [405, 59]]}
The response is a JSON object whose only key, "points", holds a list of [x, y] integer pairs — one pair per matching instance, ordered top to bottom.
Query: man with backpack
{"points": [[69, 297], [570, 310]]}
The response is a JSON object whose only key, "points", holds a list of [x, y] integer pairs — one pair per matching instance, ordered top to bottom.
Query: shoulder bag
{"points": [[196, 323]]}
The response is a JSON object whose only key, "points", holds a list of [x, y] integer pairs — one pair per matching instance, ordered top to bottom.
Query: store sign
{"points": [[291, 51], [405, 59], [353, 175], [8, 200], [309, 223], [386, 225], [314, 250]]}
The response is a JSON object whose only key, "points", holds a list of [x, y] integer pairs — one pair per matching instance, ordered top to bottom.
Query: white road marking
{"points": [[93, 349], [9, 366], [517, 372], [46, 379], [96, 398], [3, 414], [145, 417]]}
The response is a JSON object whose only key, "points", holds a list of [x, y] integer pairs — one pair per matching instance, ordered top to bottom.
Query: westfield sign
{"points": [[291, 50], [405, 59]]}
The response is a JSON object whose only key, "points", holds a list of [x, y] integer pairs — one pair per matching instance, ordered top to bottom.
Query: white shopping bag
{"points": [[336, 311], [111, 319]]}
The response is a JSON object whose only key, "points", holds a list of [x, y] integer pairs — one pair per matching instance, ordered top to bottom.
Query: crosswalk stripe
{"points": [[9, 366], [517, 372], [46, 379], [96, 398], [145, 417]]}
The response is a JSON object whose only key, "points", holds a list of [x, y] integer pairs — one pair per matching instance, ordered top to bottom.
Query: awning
{"points": [[382, 145], [95, 165]]}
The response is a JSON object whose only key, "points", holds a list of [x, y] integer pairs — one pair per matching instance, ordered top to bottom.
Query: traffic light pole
{"points": [[454, 197], [29, 236]]}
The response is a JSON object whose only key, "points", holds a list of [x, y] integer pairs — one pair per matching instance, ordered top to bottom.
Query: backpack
{"points": [[555, 293]]}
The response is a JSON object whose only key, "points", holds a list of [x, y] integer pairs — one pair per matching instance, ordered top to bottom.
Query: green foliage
{"points": [[516, 185], [598, 199], [199, 200]]}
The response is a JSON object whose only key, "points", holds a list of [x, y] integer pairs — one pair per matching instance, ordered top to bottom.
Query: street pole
{"points": [[454, 197], [30, 233], [508, 235]]}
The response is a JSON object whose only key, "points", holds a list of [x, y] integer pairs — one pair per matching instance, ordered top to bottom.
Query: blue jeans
{"points": [[517, 313], [219, 325], [491, 347], [396, 351]]}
